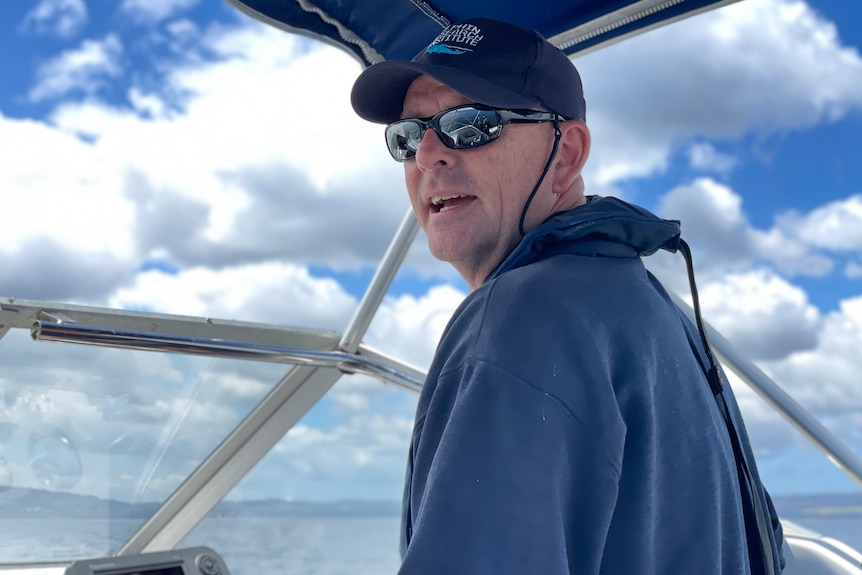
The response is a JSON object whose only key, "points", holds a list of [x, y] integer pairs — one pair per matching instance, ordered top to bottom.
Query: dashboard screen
{"points": [[175, 570]]}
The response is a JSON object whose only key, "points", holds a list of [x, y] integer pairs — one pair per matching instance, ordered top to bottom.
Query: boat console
{"points": [[189, 561]]}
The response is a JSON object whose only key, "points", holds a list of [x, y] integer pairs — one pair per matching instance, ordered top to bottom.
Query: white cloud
{"points": [[150, 11], [63, 18], [83, 69], [652, 93], [145, 105], [289, 109], [255, 155], [703, 156], [247, 159], [74, 203], [715, 223], [836, 226], [797, 244], [791, 255], [269, 292], [761, 313], [826, 378]]}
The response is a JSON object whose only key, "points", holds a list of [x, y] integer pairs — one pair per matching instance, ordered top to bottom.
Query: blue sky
{"points": [[175, 156]]}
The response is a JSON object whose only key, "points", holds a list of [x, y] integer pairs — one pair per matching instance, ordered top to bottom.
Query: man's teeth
{"points": [[437, 201]]}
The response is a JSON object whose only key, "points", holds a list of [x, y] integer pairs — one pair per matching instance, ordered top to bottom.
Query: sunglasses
{"points": [[459, 128]]}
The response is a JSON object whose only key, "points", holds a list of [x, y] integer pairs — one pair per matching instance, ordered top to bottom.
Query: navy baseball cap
{"points": [[488, 61]]}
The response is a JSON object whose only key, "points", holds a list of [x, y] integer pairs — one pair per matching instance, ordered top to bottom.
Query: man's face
{"points": [[489, 185]]}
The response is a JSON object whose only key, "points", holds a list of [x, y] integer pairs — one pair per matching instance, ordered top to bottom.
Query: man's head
{"points": [[477, 174]]}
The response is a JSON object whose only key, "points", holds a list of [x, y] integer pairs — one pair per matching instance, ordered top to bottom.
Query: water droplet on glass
{"points": [[54, 460]]}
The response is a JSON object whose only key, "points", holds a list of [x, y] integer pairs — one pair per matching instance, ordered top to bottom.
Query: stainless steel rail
{"points": [[380, 283], [150, 341]]}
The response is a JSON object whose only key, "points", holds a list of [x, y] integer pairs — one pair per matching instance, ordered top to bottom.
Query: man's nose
{"points": [[432, 151]]}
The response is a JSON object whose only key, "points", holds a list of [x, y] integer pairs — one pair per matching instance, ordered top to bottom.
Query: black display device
{"points": [[190, 561]]}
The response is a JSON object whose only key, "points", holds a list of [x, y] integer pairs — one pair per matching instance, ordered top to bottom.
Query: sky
{"points": [[175, 156]]}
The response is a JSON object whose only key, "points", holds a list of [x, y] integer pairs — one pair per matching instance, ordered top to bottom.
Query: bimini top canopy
{"points": [[375, 30]]}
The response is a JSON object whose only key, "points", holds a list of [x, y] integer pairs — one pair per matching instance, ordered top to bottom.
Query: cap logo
{"points": [[463, 34], [444, 49]]}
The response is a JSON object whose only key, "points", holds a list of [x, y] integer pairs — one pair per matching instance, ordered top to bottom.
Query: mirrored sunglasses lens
{"points": [[468, 127], [403, 139]]}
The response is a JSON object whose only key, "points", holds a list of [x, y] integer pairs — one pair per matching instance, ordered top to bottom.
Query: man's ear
{"points": [[572, 154]]}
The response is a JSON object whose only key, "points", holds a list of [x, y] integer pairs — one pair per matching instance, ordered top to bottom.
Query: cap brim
{"points": [[378, 93]]}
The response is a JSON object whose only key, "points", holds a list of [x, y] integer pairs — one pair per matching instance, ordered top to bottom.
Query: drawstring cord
{"points": [[557, 135], [712, 374]]}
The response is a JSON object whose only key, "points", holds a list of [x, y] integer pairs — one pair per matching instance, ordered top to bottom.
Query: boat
{"points": [[81, 431]]}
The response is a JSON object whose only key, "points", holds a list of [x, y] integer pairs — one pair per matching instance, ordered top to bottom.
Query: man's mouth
{"points": [[444, 203]]}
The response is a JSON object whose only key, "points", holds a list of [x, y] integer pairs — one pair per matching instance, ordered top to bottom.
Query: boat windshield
{"points": [[103, 436], [94, 440]]}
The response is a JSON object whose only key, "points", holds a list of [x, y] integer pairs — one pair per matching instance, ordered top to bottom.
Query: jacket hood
{"points": [[602, 227]]}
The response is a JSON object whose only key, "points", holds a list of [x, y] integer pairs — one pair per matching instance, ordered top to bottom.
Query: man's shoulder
{"points": [[562, 277], [563, 297], [603, 304]]}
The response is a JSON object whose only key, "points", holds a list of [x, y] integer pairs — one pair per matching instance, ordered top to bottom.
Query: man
{"points": [[567, 424]]}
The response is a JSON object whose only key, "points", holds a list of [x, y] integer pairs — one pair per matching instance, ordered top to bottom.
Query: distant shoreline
{"points": [[38, 503]]}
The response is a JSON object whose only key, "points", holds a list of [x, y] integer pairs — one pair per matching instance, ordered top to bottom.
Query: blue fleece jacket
{"points": [[566, 425]]}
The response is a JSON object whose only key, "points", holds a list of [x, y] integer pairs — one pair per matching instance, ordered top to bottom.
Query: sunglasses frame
{"points": [[516, 116]]}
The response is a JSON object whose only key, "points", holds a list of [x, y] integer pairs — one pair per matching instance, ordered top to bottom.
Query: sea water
{"points": [[248, 545], [303, 545], [330, 545], [360, 546]]}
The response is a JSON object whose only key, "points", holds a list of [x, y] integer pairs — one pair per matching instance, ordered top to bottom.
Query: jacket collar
{"points": [[604, 226]]}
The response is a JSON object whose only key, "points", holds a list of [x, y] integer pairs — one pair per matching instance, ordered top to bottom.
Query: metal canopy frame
{"points": [[320, 358]]}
